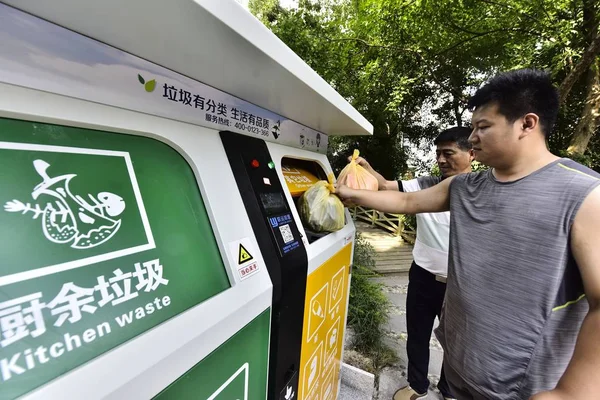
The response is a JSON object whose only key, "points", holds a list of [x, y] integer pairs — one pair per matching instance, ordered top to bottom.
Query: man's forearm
{"points": [[433, 199], [386, 201], [580, 380]]}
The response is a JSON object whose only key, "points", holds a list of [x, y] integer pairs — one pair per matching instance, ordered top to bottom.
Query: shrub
{"points": [[368, 309]]}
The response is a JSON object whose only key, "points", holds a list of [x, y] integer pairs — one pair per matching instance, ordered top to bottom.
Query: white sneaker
{"points": [[408, 393]]}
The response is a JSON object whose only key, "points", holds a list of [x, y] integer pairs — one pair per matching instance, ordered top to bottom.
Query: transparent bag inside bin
{"points": [[299, 176]]}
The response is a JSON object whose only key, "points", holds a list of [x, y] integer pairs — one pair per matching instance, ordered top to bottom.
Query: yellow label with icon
{"points": [[298, 180], [325, 312]]}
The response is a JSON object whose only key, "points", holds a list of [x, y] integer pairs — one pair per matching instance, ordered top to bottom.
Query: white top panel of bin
{"points": [[217, 42]]}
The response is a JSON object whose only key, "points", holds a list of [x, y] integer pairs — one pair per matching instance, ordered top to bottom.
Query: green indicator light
{"points": [[271, 164]]}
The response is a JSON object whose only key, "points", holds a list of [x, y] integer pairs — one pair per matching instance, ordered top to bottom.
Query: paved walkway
{"points": [[393, 255], [393, 259], [392, 378]]}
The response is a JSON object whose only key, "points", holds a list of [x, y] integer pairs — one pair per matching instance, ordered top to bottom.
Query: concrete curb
{"points": [[391, 270], [356, 384]]}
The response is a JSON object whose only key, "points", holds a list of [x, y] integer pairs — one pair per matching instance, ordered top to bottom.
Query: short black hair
{"points": [[520, 92], [458, 134]]}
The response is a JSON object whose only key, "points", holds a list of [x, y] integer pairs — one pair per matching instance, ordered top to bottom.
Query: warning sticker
{"points": [[244, 255], [247, 271]]}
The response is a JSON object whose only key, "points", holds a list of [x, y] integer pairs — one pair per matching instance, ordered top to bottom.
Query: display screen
{"points": [[273, 203]]}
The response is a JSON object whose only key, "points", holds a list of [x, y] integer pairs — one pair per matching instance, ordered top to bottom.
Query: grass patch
{"points": [[368, 309]]}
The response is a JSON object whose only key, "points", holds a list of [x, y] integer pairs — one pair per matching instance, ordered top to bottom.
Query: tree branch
{"points": [[507, 6], [541, 7], [457, 27], [477, 35], [364, 42], [584, 63], [431, 72]]}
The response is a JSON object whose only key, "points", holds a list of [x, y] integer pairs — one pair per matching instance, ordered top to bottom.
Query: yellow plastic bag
{"points": [[356, 177], [321, 210]]}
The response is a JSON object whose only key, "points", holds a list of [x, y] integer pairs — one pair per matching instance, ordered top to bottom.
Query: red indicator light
{"points": [[255, 164]]}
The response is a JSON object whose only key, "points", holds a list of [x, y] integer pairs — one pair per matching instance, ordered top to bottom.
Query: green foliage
{"points": [[343, 42], [410, 66], [476, 166], [410, 222], [364, 253], [368, 308], [367, 312]]}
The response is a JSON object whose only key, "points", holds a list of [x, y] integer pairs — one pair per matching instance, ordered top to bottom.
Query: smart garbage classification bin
{"points": [[152, 154]]}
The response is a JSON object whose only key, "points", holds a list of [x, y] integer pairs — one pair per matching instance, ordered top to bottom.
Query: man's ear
{"points": [[529, 123], [471, 155]]}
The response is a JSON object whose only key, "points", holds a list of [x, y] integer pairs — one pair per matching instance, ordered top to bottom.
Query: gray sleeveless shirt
{"points": [[514, 299]]}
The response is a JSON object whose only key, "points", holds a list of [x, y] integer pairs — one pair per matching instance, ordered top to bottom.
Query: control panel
{"points": [[283, 251]]}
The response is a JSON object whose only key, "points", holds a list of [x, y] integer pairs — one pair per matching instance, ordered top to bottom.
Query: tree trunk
{"points": [[591, 18], [584, 63], [457, 113], [590, 116], [588, 122]]}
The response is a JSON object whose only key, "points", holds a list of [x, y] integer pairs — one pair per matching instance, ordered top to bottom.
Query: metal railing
{"points": [[393, 223]]}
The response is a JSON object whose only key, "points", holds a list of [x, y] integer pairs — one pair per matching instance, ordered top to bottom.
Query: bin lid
{"points": [[216, 42], [298, 180]]}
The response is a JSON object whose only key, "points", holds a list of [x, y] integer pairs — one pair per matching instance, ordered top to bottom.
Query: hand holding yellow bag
{"points": [[356, 177], [321, 210]]}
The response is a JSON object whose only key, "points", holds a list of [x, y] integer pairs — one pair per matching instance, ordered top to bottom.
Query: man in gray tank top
{"points": [[521, 317]]}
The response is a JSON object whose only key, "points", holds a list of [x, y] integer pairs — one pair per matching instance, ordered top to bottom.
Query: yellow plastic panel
{"points": [[324, 322]]}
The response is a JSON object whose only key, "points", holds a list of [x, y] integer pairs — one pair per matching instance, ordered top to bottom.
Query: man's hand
{"points": [[363, 163], [382, 183], [344, 193]]}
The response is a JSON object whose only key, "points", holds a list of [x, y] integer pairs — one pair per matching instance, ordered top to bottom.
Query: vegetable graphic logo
{"points": [[149, 86], [68, 218]]}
